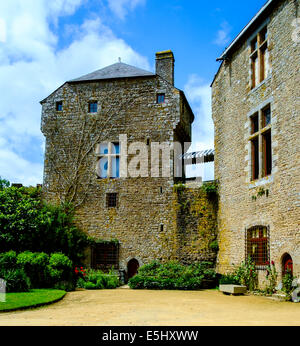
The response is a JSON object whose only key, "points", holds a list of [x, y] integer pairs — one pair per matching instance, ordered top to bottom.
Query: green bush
{"points": [[8, 260], [35, 267], [60, 269], [43, 271], [173, 275], [247, 275], [96, 279], [229, 279], [16, 280], [287, 283], [67, 286], [90, 286]]}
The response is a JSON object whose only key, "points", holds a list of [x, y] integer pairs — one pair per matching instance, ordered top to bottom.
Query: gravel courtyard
{"points": [[125, 307]]}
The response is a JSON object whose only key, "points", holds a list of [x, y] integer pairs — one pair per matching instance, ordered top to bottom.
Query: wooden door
{"points": [[287, 264], [133, 266]]}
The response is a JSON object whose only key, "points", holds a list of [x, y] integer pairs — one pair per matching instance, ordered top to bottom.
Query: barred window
{"points": [[111, 200], [257, 245], [105, 256]]}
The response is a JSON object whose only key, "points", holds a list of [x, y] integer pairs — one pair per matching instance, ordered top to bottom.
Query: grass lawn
{"points": [[33, 298]]}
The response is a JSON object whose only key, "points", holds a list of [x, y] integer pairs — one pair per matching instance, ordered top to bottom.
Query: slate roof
{"points": [[118, 70]]}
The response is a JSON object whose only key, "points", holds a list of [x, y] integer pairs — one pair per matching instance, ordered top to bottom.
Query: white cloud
{"points": [[121, 7], [2, 30], [223, 35], [32, 65], [199, 95]]}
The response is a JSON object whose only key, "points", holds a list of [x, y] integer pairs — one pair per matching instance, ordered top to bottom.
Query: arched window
{"points": [[257, 245]]}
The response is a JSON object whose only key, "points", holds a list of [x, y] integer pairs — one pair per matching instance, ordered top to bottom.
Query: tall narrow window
{"points": [[263, 36], [259, 58], [59, 106], [266, 116], [254, 123], [261, 142], [267, 153], [255, 158], [109, 160], [257, 245]]}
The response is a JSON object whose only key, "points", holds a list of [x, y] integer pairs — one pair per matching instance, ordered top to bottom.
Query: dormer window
{"points": [[160, 98], [59, 106], [93, 107]]}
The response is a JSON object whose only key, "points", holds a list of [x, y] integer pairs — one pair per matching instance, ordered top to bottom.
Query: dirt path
{"points": [[125, 307]]}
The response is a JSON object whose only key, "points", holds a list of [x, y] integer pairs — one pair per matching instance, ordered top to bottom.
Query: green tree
{"points": [[27, 223]]}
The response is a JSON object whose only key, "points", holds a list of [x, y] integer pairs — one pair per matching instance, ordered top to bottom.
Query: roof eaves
{"points": [[246, 28], [106, 79], [186, 101], [41, 102]]}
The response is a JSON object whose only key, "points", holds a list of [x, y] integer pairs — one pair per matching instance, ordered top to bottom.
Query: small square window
{"points": [[160, 98], [59, 106], [93, 107], [111, 200]]}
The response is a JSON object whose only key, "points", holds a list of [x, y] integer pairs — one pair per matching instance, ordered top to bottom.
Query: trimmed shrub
{"points": [[35, 267], [60, 269], [43, 271], [174, 276], [16, 280]]}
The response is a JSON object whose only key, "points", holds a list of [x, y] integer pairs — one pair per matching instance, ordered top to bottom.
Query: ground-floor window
{"points": [[257, 245], [105, 256]]}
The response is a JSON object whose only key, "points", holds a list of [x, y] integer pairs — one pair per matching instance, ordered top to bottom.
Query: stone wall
{"points": [[242, 203], [145, 219], [196, 224]]}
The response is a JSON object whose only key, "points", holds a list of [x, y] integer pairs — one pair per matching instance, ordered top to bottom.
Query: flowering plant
{"points": [[80, 272], [271, 276]]}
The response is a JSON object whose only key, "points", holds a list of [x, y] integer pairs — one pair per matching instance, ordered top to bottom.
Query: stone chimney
{"points": [[165, 65]]}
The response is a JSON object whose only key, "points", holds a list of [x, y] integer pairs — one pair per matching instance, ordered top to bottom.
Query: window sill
{"points": [[260, 84], [260, 182]]}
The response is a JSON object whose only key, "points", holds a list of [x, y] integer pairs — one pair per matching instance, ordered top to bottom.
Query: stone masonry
{"points": [[271, 200], [145, 217]]}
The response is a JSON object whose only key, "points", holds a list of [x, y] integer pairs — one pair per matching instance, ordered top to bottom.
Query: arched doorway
{"points": [[287, 264], [132, 268]]}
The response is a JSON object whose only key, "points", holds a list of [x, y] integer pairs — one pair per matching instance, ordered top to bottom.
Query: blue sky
{"points": [[43, 43]]}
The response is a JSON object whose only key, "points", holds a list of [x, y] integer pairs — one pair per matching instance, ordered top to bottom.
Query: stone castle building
{"points": [[255, 103], [82, 122], [143, 216]]}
